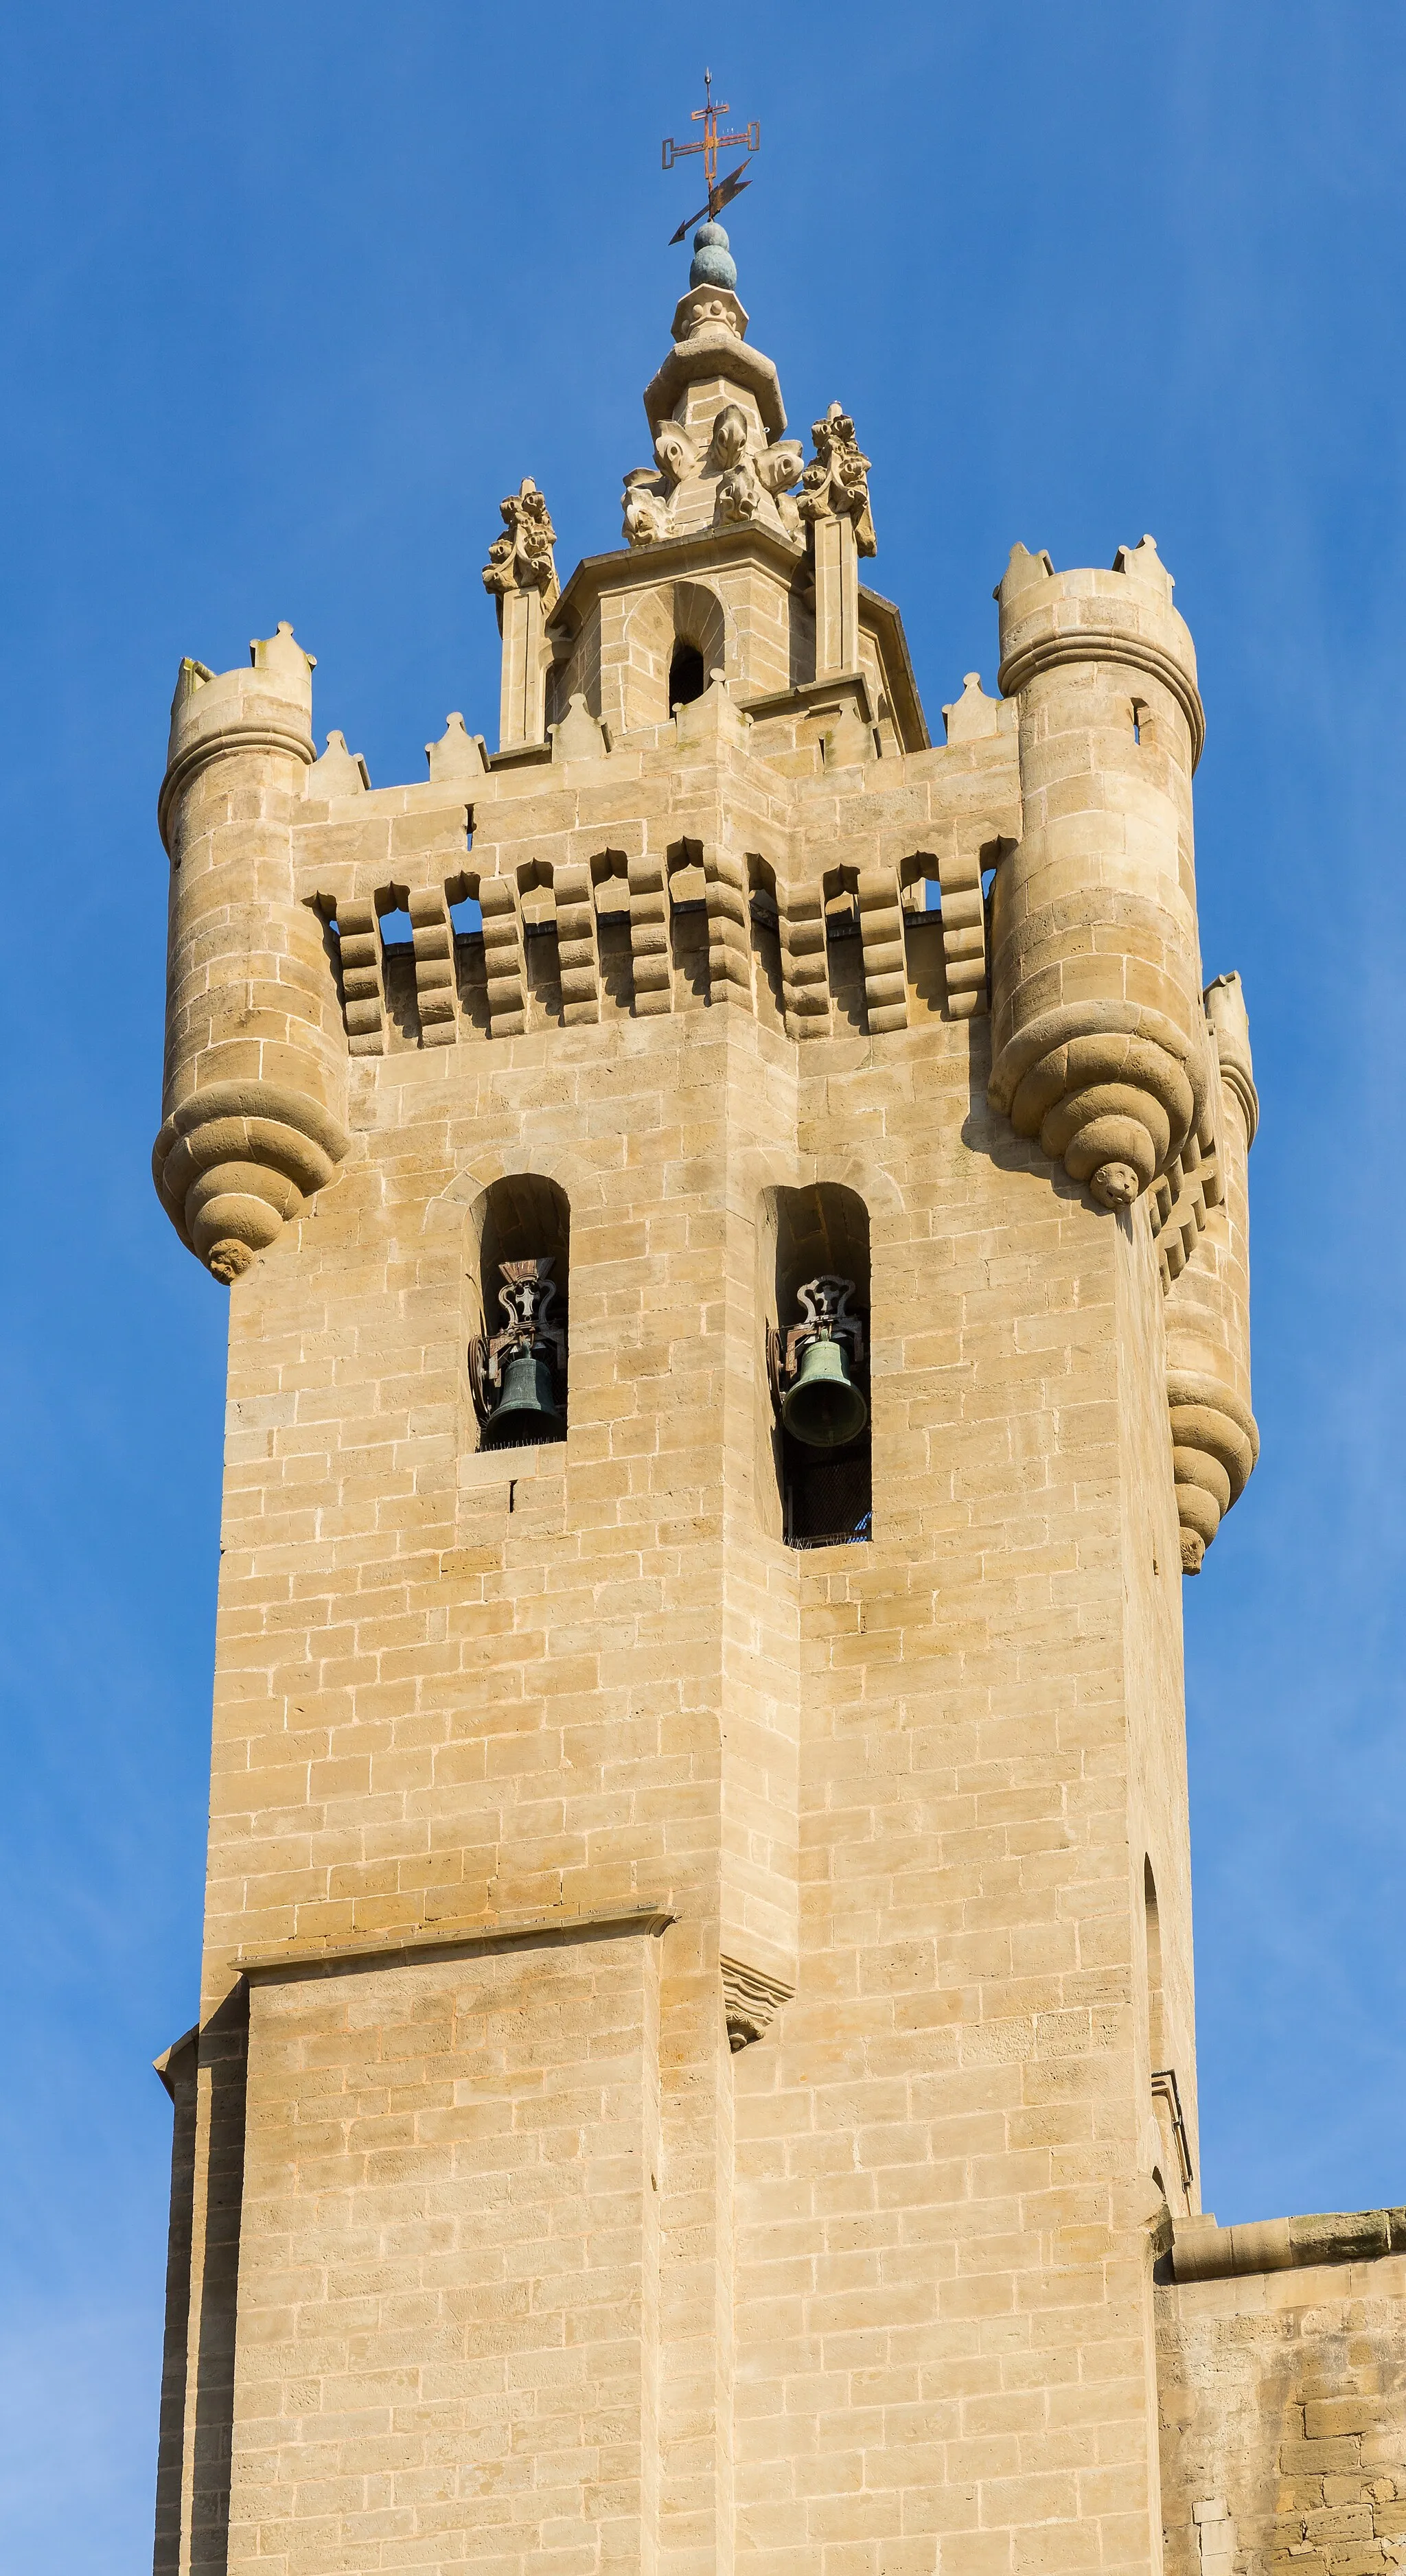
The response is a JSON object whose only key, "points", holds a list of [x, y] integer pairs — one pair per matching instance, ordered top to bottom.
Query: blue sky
{"points": [[291, 298]]}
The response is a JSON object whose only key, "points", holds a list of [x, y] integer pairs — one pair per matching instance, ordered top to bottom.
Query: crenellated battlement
{"points": [[784, 817]]}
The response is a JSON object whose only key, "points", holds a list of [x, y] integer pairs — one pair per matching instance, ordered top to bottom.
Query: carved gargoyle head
{"points": [[731, 431], [675, 452], [645, 507]]}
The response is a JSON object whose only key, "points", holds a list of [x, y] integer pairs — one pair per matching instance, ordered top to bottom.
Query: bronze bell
{"points": [[824, 1408], [526, 1412]]}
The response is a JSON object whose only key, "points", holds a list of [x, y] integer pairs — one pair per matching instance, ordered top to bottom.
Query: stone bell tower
{"points": [[736, 1229]]}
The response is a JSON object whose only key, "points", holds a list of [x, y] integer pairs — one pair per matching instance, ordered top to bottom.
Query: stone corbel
{"points": [[521, 576], [964, 929], [729, 930], [576, 948], [885, 955], [502, 957], [650, 959], [805, 977], [363, 987], [436, 997], [237, 1162], [1204, 1241], [1215, 1446], [751, 2002]]}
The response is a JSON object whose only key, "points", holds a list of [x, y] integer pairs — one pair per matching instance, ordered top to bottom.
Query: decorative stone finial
{"points": [[712, 263], [835, 484], [522, 559], [281, 653], [457, 754], [339, 772]]}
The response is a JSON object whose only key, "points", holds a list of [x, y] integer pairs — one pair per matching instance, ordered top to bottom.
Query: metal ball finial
{"points": [[713, 263]]}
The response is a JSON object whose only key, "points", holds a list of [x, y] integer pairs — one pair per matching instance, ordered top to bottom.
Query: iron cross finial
{"points": [[720, 192]]}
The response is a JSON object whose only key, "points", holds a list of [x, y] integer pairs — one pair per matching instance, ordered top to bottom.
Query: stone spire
{"points": [[716, 418]]}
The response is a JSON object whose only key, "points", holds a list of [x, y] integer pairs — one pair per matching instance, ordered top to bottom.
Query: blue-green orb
{"points": [[713, 263]]}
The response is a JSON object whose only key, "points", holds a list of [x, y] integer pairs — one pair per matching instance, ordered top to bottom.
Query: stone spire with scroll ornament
{"points": [[716, 418]]}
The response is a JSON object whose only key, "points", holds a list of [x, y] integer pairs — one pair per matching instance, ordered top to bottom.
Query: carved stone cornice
{"points": [[1099, 643], [232, 738], [292, 1958]]}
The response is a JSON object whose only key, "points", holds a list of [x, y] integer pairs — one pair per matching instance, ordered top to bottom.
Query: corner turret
{"points": [[1098, 1037], [253, 1095]]}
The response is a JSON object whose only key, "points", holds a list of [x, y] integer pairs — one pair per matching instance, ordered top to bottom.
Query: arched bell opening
{"points": [[675, 638], [700, 641], [687, 677], [520, 1278], [818, 1364]]}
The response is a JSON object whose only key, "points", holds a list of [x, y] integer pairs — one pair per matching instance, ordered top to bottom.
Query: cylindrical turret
{"points": [[1098, 1041], [255, 1069], [1214, 1440]]}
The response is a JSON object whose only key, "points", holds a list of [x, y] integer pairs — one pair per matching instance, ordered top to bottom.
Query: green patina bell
{"points": [[824, 1408], [526, 1411]]}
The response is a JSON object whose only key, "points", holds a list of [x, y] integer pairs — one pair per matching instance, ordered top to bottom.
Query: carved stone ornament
{"points": [[705, 308], [731, 430], [675, 453], [780, 467], [835, 484], [740, 491], [739, 494], [646, 508], [522, 559], [526, 1296], [750, 2002]]}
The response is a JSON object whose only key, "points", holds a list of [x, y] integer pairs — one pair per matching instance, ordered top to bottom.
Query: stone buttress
{"points": [[735, 1217]]}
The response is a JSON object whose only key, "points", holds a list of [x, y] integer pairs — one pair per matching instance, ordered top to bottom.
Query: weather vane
{"points": [[720, 192]]}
